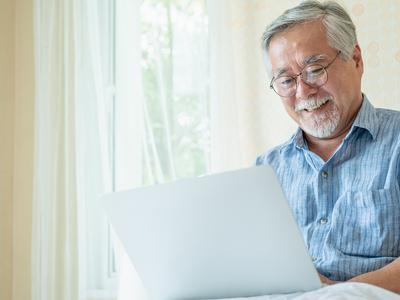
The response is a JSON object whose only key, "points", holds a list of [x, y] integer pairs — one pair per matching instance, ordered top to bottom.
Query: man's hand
{"points": [[326, 280]]}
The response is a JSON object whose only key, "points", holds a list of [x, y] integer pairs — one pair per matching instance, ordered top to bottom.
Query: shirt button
{"points": [[324, 174], [323, 221]]}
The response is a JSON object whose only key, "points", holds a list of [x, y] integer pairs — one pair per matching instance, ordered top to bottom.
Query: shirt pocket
{"points": [[367, 223]]}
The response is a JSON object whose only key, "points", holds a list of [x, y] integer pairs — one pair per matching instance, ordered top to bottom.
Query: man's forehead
{"points": [[298, 46]]}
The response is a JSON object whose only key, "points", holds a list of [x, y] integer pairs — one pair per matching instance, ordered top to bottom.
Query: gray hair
{"points": [[340, 29]]}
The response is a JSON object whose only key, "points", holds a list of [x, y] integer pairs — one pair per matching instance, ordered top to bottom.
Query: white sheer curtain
{"points": [[242, 105], [129, 129], [71, 149], [226, 150]]}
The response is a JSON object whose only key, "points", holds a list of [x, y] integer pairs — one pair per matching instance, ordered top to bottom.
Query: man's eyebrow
{"points": [[314, 58], [306, 61], [280, 71]]}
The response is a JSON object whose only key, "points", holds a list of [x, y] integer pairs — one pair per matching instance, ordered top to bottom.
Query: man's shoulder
{"points": [[387, 113], [389, 120]]}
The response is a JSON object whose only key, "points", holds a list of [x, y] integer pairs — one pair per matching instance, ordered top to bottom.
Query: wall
{"points": [[7, 144], [23, 149], [16, 151]]}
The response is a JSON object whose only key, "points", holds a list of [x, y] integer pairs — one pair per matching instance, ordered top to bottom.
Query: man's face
{"points": [[325, 111]]}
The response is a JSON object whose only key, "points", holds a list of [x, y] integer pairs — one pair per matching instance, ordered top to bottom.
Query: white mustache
{"points": [[311, 103]]}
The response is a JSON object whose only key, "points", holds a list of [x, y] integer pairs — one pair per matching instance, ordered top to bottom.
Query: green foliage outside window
{"points": [[175, 83]]}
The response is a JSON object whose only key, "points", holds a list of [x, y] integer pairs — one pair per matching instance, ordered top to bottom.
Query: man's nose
{"points": [[304, 90]]}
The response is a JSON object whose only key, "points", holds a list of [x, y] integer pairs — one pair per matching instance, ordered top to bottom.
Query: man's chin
{"points": [[321, 126], [322, 132]]}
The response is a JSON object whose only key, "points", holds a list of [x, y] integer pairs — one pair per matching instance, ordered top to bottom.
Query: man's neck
{"points": [[325, 148]]}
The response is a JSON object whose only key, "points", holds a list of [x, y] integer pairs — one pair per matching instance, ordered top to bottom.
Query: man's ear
{"points": [[357, 58]]}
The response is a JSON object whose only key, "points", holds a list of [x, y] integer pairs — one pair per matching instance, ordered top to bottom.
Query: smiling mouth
{"points": [[317, 106]]}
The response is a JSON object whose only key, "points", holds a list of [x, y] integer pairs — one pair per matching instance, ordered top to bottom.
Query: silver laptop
{"points": [[219, 236]]}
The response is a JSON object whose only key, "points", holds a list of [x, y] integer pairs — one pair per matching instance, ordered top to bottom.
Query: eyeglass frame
{"points": [[297, 75]]}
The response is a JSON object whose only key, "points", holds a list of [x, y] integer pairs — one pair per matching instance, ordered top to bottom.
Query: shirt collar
{"points": [[366, 118], [298, 139]]}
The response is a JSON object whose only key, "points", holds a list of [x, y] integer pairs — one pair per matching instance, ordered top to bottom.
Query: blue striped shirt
{"points": [[347, 208]]}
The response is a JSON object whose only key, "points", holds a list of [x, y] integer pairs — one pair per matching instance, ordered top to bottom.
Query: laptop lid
{"points": [[219, 236]]}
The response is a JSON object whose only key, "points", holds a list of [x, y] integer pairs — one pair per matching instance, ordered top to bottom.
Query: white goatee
{"points": [[319, 125]]}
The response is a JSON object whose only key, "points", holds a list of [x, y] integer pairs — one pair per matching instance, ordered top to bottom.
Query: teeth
{"points": [[311, 105], [314, 108]]}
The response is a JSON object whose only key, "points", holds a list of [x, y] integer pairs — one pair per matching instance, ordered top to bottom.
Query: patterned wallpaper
{"points": [[378, 28]]}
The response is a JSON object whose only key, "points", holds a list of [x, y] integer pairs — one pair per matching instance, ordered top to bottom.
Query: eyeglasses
{"points": [[314, 75]]}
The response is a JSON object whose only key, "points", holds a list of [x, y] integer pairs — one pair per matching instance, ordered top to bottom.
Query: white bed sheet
{"points": [[341, 291]]}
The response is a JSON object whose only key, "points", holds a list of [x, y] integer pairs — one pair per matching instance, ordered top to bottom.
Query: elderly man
{"points": [[341, 170]]}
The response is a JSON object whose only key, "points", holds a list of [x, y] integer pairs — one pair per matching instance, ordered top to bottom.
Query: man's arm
{"points": [[387, 277]]}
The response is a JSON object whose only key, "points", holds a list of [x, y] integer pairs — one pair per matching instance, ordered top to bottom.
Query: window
{"points": [[175, 85], [157, 107]]}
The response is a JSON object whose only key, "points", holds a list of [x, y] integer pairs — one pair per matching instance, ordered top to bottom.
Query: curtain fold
{"points": [[231, 88], [242, 105], [129, 127], [225, 144], [71, 153], [55, 247]]}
